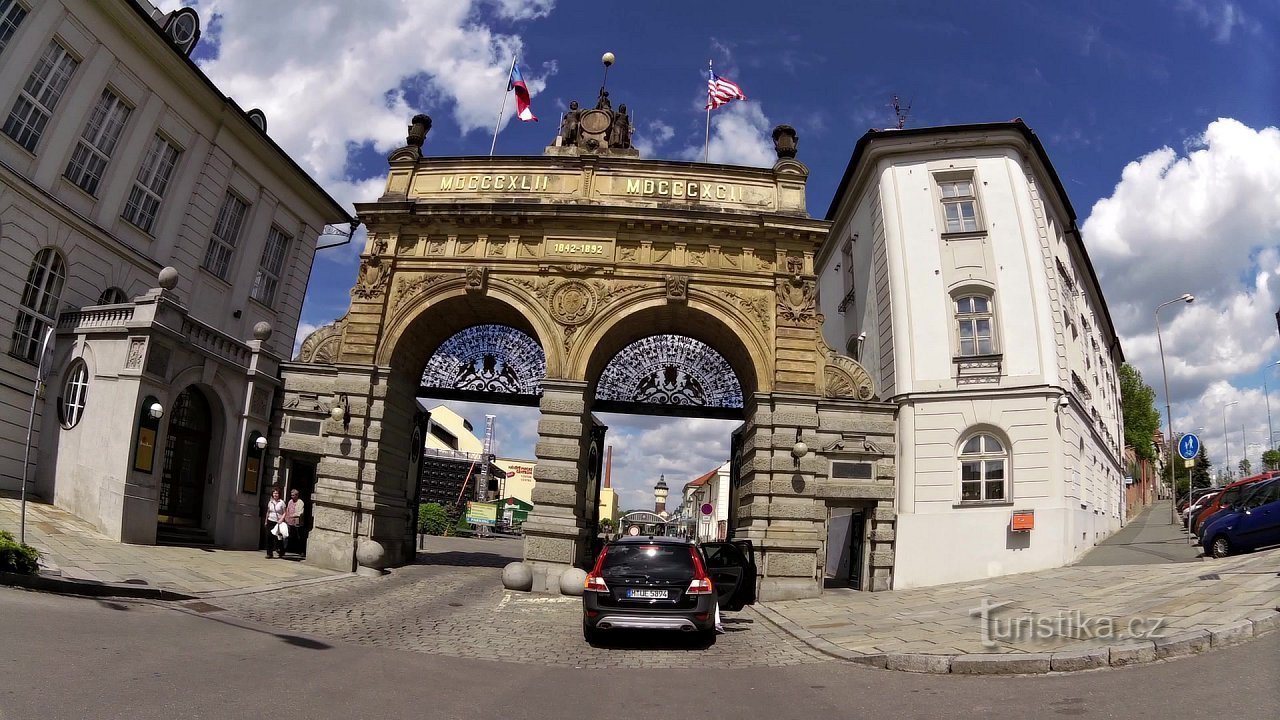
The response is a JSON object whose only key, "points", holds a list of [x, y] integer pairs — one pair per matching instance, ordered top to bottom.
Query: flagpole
{"points": [[503, 110], [706, 145]]}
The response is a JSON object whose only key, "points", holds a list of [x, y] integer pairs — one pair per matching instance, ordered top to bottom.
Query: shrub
{"points": [[432, 519], [16, 557]]}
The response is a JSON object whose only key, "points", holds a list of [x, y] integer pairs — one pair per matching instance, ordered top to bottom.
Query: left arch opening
{"points": [[485, 360]]}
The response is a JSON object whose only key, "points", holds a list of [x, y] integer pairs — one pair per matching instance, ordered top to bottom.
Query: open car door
{"points": [[732, 567]]}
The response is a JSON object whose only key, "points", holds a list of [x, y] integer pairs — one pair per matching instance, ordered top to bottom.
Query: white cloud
{"points": [[1222, 17], [332, 74], [740, 135], [650, 139], [1207, 222]]}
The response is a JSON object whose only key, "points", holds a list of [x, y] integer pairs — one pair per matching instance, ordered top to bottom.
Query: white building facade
{"points": [[168, 241], [955, 273]]}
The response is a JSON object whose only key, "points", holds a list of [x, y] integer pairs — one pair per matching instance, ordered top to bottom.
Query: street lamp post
{"points": [[1186, 298], [1271, 433], [1226, 443]]}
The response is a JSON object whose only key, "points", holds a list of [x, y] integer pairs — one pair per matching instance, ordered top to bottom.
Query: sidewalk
{"points": [[1148, 538], [71, 548], [1068, 618]]}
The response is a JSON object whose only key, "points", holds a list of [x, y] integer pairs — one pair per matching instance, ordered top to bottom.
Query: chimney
{"points": [[608, 464]]}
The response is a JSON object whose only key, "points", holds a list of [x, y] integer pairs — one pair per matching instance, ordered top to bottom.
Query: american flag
{"points": [[721, 90]]}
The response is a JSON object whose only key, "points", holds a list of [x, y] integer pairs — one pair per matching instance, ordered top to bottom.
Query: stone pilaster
{"points": [[555, 533]]}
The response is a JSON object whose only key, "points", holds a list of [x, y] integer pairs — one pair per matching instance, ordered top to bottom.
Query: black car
{"points": [[666, 583]]}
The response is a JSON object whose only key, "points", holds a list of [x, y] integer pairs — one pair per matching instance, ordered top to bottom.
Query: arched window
{"points": [[112, 296], [39, 303], [975, 322], [74, 394], [983, 474]]}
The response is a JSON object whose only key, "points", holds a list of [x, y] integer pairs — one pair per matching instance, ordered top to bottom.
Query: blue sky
{"points": [[1158, 115]]}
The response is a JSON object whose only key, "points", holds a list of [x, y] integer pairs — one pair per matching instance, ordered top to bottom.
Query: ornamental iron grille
{"points": [[487, 358], [670, 370]]}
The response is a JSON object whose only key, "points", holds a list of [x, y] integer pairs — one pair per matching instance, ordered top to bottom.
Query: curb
{"points": [[90, 588], [1129, 653]]}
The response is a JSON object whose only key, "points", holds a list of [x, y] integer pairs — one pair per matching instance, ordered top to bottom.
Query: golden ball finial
{"points": [[607, 59]]}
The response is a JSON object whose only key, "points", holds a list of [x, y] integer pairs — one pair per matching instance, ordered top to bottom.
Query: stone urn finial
{"points": [[418, 129], [785, 140], [168, 277]]}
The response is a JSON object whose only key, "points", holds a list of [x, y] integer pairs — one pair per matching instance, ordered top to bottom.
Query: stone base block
{"points": [[331, 550], [546, 576], [775, 589]]}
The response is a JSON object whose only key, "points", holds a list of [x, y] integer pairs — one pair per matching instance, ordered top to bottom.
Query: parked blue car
{"points": [[1252, 523]]}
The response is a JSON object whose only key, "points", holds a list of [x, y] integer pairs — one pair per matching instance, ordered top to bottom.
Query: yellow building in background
{"points": [[519, 481]]}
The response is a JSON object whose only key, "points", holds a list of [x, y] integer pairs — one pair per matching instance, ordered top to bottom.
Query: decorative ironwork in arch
{"points": [[489, 359], [670, 370]]}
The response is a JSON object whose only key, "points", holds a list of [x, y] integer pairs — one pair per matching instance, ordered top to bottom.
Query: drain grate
{"points": [[1211, 576], [202, 607]]}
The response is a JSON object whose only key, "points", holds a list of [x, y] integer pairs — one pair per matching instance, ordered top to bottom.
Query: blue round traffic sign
{"points": [[1189, 447]]}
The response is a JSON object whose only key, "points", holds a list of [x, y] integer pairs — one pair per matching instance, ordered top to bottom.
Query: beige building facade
{"points": [[153, 224], [593, 255], [957, 276]]}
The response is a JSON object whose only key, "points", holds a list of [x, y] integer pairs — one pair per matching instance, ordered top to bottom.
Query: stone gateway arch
{"points": [[589, 252]]}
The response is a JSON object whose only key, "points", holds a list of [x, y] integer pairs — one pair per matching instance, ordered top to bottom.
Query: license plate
{"points": [[641, 593]]}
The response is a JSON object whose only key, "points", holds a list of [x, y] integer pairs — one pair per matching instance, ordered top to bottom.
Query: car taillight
{"points": [[594, 582], [701, 584]]}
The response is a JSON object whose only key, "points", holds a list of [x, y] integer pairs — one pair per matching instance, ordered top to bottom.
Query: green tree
{"points": [[1141, 418], [1271, 459], [1246, 468], [1200, 477], [433, 519]]}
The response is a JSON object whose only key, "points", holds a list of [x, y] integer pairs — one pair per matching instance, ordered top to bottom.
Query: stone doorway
{"points": [[186, 460]]}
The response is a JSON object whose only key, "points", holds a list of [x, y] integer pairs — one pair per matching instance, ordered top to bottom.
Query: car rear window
{"points": [[650, 560]]}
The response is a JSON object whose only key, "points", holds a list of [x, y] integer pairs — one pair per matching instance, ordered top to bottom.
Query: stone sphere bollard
{"points": [[371, 554], [517, 576], [572, 581]]}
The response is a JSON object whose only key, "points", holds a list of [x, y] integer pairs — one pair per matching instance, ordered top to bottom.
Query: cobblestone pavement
{"points": [[74, 548], [451, 602], [1082, 607]]}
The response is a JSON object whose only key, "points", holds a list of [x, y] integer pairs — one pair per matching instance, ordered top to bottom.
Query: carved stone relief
{"points": [[435, 246], [466, 247], [627, 253], [477, 278], [372, 279], [409, 288], [677, 288], [573, 302], [797, 302], [758, 306], [324, 344], [137, 349], [844, 377], [260, 405]]}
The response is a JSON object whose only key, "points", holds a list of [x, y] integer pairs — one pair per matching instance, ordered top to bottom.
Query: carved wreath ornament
{"points": [[573, 302]]}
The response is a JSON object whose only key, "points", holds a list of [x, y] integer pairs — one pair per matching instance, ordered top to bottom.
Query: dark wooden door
{"points": [[186, 459]]}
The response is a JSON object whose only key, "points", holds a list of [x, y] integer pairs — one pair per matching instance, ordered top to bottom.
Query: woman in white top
{"points": [[275, 515]]}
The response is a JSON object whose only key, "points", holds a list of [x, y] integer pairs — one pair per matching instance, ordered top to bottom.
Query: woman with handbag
{"points": [[275, 517]]}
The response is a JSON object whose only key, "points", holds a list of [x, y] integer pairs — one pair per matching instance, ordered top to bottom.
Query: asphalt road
{"points": [[66, 657]]}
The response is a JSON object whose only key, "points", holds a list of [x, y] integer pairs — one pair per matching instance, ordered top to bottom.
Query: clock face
{"points": [[594, 121]]}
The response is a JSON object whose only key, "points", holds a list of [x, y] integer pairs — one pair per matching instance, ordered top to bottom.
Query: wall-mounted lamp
{"points": [[862, 337], [341, 410], [155, 411], [260, 443], [800, 449]]}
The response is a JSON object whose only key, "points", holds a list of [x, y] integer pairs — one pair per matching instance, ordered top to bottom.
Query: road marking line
{"points": [[506, 598]]}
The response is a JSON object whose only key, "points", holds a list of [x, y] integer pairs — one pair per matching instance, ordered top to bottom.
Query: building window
{"points": [[11, 16], [35, 104], [97, 142], [153, 180], [959, 205], [226, 232], [271, 267], [112, 296], [39, 303], [975, 322], [74, 394], [982, 469]]}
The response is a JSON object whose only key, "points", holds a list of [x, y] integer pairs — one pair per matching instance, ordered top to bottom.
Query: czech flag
{"points": [[515, 81]]}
